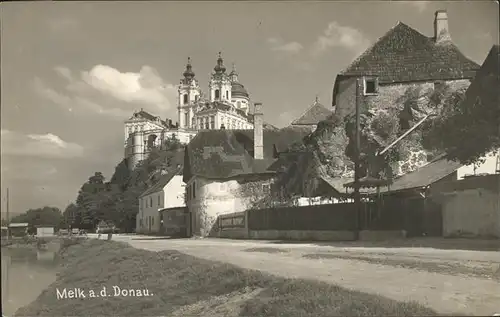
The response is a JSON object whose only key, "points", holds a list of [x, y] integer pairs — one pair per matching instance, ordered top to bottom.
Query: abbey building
{"points": [[225, 106]]}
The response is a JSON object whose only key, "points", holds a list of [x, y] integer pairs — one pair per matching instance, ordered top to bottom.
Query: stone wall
{"points": [[395, 100], [219, 197]]}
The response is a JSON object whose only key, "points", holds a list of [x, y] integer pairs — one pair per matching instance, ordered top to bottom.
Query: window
{"points": [[370, 86], [217, 94], [227, 94], [185, 99], [186, 119], [212, 122], [193, 123], [207, 124], [266, 188], [194, 190], [159, 200], [150, 201], [142, 203], [152, 221]]}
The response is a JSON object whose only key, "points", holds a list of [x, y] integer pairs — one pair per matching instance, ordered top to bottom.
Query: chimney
{"points": [[441, 32], [258, 133]]}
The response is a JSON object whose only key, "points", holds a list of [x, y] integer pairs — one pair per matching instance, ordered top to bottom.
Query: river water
{"points": [[25, 274]]}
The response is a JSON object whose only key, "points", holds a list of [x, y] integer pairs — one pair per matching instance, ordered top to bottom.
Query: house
{"points": [[401, 61], [314, 114], [227, 171], [168, 192], [446, 204], [174, 221], [18, 229], [44, 231]]}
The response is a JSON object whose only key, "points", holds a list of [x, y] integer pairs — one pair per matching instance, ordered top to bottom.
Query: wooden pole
{"points": [[357, 196]]}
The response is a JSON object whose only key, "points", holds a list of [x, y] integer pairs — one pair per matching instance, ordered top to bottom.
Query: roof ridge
{"points": [[370, 48], [315, 103]]}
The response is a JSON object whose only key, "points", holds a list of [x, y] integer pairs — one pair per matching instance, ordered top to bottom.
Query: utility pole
{"points": [[357, 158], [7, 205]]}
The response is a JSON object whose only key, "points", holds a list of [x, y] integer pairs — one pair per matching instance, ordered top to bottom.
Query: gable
{"points": [[405, 55], [313, 115]]}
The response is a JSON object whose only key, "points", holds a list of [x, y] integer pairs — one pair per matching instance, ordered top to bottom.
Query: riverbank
{"points": [[101, 278]]}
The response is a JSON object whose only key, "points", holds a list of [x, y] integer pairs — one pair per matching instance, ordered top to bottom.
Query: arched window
{"points": [[217, 94], [227, 94], [185, 98]]}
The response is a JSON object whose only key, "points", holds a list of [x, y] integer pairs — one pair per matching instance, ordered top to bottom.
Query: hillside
{"points": [[329, 150], [116, 201]]}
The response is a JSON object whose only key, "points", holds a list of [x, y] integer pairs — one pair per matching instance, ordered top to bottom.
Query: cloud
{"points": [[419, 5], [336, 35], [279, 45], [64, 72], [146, 86], [106, 91], [78, 103], [38, 145]]}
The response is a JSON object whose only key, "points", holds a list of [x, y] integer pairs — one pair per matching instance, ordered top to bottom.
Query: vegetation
{"points": [[117, 201], [48, 216], [182, 285]]}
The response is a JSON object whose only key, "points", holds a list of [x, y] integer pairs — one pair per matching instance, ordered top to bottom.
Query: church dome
{"points": [[238, 90]]}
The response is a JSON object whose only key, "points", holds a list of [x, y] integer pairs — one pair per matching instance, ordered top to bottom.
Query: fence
{"points": [[392, 214], [319, 217], [232, 221]]}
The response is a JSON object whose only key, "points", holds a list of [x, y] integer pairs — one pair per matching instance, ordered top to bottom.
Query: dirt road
{"points": [[444, 280]]}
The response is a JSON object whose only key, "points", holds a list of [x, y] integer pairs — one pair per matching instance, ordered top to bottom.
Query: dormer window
{"points": [[370, 86]]}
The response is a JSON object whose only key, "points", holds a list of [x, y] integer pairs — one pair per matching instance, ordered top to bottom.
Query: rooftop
{"points": [[405, 55], [313, 115], [229, 153]]}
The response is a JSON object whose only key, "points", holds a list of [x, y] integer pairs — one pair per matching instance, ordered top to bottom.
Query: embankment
{"points": [[101, 278]]}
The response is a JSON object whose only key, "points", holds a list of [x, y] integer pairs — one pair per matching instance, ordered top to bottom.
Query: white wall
{"points": [[172, 195], [212, 199], [148, 211], [472, 212], [44, 231]]}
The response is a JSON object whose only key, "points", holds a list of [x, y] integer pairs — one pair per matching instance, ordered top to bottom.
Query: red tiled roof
{"points": [[405, 55], [313, 115], [228, 153]]}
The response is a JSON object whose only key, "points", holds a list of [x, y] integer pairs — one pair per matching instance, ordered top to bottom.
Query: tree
{"points": [[46, 216]]}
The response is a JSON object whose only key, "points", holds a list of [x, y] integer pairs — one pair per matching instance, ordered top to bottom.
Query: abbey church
{"points": [[226, 106]]}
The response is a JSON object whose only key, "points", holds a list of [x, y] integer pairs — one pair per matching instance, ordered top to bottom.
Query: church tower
{"points": [[220, 83], [188, 93]]}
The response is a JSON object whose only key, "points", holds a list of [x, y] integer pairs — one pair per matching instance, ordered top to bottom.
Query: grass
{"points": [[267, 250], [186, 286]]}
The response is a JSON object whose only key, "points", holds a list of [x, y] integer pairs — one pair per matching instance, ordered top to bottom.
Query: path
{"points": [[444, 293]]}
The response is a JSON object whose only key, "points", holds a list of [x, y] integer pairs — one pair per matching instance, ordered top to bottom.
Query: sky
{"points": [[72, 72]]}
